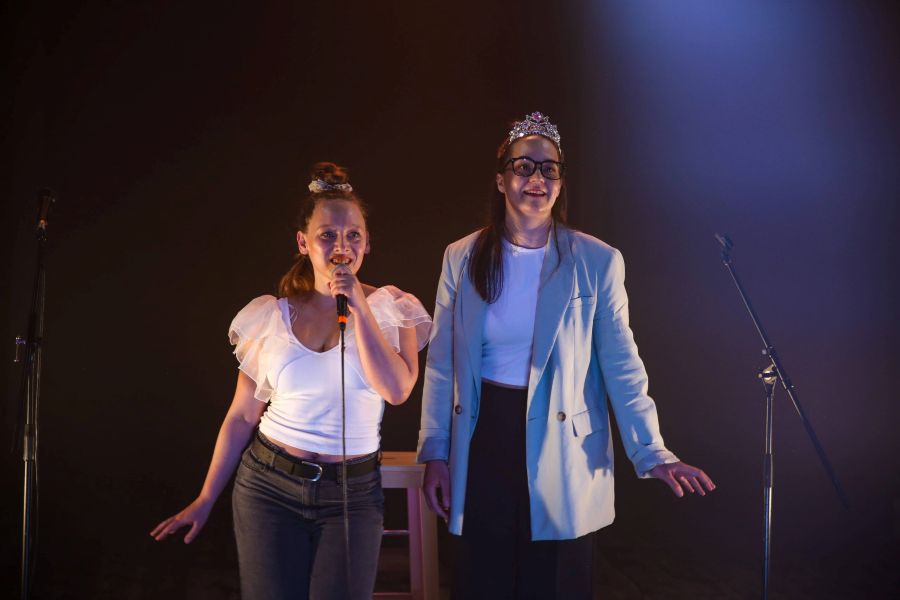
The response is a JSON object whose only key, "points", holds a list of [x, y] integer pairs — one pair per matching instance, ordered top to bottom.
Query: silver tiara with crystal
{"points": [[535, 124], [317, 186]]}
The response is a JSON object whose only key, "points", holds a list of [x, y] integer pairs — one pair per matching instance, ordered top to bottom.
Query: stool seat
{"points": [[400, 470]]}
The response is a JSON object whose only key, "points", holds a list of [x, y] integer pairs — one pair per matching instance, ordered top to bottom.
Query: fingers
{"points": [[342, 268], [341, 273], [343, 281], [681, 476], [696, 479], [437, 480], [706, 481], [673, 483], [698, 487], [445, 497], [431, 499], [194, 515], [171, 526], [167, 528], [161, 529], [195, 529], [156, 530]]}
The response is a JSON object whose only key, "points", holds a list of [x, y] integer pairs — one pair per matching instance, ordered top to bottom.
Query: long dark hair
{"points": [[486, 264], [300, 277]]}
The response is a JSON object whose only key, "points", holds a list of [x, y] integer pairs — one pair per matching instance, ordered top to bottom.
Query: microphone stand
{"points": [[343, 313], [769, 376], [29, 398]]}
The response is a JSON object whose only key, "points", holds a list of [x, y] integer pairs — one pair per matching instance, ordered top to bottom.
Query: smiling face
{"points": [[530, 198], [336, 234]]}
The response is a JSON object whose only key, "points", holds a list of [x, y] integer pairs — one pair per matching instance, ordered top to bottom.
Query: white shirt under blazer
{"points": [[584, 352]]}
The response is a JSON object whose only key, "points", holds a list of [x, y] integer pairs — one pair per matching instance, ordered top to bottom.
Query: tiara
{"points": [[535, 124], [317, 186]]}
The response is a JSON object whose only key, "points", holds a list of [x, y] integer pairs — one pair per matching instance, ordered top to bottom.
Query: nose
{"points": [[536, 175], [341, 244]]}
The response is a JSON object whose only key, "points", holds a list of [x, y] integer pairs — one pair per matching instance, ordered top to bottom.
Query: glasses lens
{"points": [[523, 167], [551, 169]]}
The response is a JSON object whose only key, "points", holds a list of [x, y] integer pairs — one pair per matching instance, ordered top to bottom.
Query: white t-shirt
{"points": [[509, 323], [303, 387]]}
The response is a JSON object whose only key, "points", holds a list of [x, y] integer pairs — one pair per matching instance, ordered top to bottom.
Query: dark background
{"points": [[177, 138]]}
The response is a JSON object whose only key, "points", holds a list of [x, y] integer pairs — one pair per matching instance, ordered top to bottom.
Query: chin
{"points": [[538, 208]]}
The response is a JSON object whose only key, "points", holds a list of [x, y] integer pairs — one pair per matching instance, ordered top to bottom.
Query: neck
{"points": [[530, 233], [319, 295]]}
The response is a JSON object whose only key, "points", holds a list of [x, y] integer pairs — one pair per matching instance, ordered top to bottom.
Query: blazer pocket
{"points": [[579, 300], [587, 422]]}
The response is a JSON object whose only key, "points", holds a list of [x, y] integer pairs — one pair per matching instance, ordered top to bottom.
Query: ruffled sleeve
{"points": [[395, 309], [258, 333]]}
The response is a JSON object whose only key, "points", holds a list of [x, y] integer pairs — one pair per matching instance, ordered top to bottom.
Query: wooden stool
{"points": [[400, 470]]}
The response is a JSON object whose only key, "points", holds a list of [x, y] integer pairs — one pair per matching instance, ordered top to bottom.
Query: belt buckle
{"points": [[318, 467]]}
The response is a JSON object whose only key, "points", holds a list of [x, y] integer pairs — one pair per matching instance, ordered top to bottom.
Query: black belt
{"points": [[310, 470]]}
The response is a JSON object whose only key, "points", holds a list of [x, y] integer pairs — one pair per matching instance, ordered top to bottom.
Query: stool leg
{"points": [[414, 523], [428, 525], [423, 561]]}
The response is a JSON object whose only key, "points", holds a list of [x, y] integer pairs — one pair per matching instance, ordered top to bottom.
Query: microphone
{"points": [[45, 200], [724, 241], [726, 244], [343, 311]]}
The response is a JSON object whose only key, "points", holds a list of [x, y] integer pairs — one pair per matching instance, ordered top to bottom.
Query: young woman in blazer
{"points": [[530, 338]]}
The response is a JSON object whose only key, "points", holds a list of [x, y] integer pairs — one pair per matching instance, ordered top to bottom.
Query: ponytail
{"points": [[299, 278]]}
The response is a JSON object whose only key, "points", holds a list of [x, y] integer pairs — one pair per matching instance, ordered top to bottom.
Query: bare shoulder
{"points": [[368, 289]]}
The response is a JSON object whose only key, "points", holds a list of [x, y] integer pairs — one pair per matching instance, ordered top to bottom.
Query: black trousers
{"points": [[495, 557]]}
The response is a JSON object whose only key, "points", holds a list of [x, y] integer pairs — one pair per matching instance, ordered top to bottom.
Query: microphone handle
{"points": [[343, 311]]}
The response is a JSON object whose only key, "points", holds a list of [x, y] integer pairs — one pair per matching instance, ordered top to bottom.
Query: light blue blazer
{"points": [[583, 352]]}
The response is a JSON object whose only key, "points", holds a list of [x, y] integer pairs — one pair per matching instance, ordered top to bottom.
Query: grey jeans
{"points": [[290, 533]]}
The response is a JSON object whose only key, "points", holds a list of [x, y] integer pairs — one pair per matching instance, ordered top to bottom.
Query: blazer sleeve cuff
{"points": [[432, 448], [645, 463]]}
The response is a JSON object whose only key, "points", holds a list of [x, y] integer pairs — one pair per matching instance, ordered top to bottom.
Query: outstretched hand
{"points": [[679, 475], [194, 515]]}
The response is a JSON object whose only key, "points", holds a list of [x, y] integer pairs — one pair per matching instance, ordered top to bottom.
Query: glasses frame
{"points": [[538, 166]]}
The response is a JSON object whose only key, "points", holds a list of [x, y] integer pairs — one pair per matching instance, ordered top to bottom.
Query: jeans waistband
{"points": [[308, 469]]}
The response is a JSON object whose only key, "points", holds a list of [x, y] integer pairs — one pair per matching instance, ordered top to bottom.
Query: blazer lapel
{"points": [[554, 294], [472, 311]]}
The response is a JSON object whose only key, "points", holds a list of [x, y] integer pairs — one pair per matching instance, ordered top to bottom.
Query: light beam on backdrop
{"points": [[775, 122]]}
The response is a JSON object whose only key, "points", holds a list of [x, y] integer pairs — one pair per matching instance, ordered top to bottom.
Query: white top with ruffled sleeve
{"points": [[303, 387]]}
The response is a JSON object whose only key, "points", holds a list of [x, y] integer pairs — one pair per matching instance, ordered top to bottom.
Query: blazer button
{"points": [[457, 409], [560, 416]]}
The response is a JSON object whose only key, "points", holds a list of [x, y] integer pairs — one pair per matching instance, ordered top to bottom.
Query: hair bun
{"points": [[330, 173]]}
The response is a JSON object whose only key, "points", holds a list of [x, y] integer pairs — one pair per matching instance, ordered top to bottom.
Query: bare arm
{"points": [[392, 374], [240, 421]]}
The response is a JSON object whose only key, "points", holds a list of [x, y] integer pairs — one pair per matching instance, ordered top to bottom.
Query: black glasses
{"points": [[525, 167]]}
